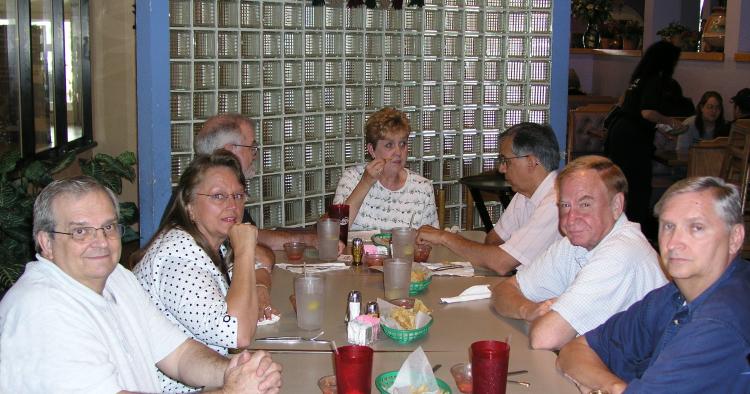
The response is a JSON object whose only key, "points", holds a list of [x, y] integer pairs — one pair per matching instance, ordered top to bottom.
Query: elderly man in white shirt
{"points": [[529, 158], [602, 266], [77, 321]]}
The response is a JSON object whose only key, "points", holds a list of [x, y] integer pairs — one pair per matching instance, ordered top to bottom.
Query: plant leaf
{"points": [[8, 161]]}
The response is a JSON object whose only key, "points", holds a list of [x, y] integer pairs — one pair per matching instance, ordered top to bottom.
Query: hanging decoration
{"points": [[396, 4]]}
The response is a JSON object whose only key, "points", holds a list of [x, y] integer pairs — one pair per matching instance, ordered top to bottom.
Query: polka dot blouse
{"points": [[183, 282]]}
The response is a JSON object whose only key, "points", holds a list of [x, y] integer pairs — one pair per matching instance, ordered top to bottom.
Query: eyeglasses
{"points": [[254, 148], [506, 160], [220, 198], [85, 234]]}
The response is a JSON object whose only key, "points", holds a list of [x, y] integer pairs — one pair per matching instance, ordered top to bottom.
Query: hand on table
{"points": [[341, 248], [265, 310], [252, 373]]}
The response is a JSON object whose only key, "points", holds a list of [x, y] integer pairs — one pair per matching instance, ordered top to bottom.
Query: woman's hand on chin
{"points": [[374, 169], [243, 237]]}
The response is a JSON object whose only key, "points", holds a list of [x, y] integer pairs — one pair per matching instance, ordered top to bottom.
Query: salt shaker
{"points": [[353, 306]]}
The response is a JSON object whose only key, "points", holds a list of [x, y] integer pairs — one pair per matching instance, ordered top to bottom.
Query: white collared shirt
{"points": [[530, 225], [59, 336]]}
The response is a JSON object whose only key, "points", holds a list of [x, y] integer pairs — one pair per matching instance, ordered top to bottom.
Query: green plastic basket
{"points": [[418, 287], [406, 336], [385, 380]]}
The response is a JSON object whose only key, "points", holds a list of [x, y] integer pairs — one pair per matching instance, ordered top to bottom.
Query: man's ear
{"points": [[618, 204], [736, 238], [44, 239]]}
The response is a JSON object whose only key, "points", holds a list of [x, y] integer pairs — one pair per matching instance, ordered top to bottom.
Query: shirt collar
{"points": [[544, 188], [70, 283], [714, 286]]}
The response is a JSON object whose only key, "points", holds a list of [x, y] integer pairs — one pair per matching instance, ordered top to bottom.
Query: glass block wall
{"points": [[462, 70]]}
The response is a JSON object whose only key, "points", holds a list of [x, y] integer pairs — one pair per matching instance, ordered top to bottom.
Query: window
{"points": [[463, 71], [44, 76]]}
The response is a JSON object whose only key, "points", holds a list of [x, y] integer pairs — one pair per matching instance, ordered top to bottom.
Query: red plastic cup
{"points": [[341, 212], [489, 366], [354, 369]]}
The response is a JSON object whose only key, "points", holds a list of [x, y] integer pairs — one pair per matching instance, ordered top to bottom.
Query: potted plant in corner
{"points": [[594, 12], [610, 35], [22, 180]]}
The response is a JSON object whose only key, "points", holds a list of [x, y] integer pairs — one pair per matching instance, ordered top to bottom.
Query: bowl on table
{"points": [[382, 239], [294, 250], [421, 252], [374, 259], [403, 337], [462, 375], [385, 380], [327, 384]]}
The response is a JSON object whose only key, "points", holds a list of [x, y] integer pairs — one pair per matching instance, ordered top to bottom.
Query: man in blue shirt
{"points": [[692, 335]]}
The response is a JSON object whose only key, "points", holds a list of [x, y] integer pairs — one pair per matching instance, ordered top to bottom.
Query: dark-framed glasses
{"points": [[254, 148], [506, 160], [221, 198], [84, 234]]}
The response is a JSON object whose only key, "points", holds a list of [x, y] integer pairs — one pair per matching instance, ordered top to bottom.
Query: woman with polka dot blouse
{"points": [[184, 267]]}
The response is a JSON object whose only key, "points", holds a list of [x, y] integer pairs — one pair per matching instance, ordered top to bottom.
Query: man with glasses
{"points": [[236, 133], [529, 157], [602, 266], [77, 321]]}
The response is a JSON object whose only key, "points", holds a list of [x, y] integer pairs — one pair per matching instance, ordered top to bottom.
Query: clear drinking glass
{"points": [[328, 239]]}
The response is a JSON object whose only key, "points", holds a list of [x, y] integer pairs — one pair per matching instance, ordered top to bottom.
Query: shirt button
{"points": [[676, 322]]}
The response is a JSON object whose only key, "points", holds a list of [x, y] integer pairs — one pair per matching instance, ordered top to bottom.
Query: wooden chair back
{"points": [[586, 132], [706, 157], [735, 167]]}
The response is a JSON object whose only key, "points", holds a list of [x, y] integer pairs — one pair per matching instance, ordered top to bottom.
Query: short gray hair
{"points": [[220, 130], [535, 139], [726, 197], [44, 215]]}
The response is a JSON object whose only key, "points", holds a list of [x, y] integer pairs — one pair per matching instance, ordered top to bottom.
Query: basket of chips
{"points": [[420, 279], [405, 325], [385, 380]]}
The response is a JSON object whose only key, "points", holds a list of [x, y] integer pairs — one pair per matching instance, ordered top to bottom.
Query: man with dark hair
{"points": [[741, 109], [529, 157], [602, 266], [77, 321], [692, 335]]}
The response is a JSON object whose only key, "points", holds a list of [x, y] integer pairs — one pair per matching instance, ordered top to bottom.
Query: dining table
{"points": [[455, 327]]}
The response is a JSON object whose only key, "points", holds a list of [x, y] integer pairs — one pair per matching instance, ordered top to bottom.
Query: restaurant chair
{"points": [[586, 132], [706, 158], [735, 167], [440, 204]]}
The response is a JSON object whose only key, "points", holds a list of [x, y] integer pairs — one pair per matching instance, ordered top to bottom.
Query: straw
{"points": [[411, 220], [334, 347]]}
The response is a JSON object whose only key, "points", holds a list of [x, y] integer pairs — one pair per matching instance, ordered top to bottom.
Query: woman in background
{"points": [[652, 95], [708, 118], [383, 194], [185, 267]]}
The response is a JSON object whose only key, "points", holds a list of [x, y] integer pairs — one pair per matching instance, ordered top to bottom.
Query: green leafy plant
{"points": [[592, 11], [672, 29], [632, 30], [22, 180]]}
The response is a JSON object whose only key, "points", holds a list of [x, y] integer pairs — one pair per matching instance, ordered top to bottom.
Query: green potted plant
{"points": [[594, 12], [680, 36], [22, 180]]}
